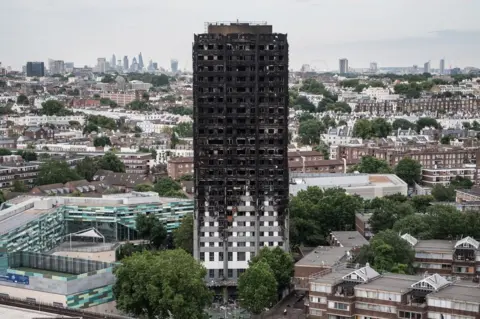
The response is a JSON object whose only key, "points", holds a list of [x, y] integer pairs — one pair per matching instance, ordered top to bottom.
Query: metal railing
{"points": [[48, 308]]}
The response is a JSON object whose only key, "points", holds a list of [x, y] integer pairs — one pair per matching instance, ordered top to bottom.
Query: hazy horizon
{"points": [[400, 33]]}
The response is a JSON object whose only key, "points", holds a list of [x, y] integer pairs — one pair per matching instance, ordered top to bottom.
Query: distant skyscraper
{"points": [[113, 61], [140, 61], [125, 63], [101, 65], [174, 65], [56, 66], [69, 66], [155, 66], [343, 66], [373, 66], [442, 66], [134, 67], [426, 67], [35, 69]]}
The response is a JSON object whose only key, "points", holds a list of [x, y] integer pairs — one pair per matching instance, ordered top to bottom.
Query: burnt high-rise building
{"points": [[240, 146]]}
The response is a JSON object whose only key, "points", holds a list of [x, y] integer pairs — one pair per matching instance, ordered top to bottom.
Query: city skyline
{"points": [[359, 37]]}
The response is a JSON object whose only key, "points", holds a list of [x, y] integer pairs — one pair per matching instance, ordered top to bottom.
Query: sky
{"points": [[389, 32]]}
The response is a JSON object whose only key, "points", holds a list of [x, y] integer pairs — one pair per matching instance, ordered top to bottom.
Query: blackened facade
{"points": [[240, 146]]}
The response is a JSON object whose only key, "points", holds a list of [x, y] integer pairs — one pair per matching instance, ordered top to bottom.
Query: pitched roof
{"points": [[466, 242], [364, 274], [432, 283]]}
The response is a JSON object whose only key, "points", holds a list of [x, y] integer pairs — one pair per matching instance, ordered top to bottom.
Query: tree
{"points": [[22, 99], [302, 103], [138, 105], [53, 107], [341, 107], [305, 116], [103, 122], [427, 122], [403, 124], [466, 125], [89, 128], [381, 128], [363, 129], [184, 130], [309, 132], [446, 139], [101, 141], [5, 152], [28, 155], [111, 162], [372, 165], [87, 168], [409, 170], [53, 172], [186, 177], [461, 183], [19, 187], [167, 187], [143, 188], [443, 193], [422, 202], [314, 213], [384, 217], [415, 225], [151, 228], [183, 235], [387, 251], [280, 262], [166, 284], [257, 288]]}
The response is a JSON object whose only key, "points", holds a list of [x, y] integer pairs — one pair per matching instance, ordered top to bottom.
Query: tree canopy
{"points": [[22, 99], [53, 107], [427, 122], [403, 124], [366, 129], [183, 130], [309, 131], [101, 141], [111, 162], [372, 165], [87, 168], [409, 170], [53, 172], [167, 187], [314, 213], [151, 228], [183, 235], [387, 252], [280, 262], [165, 284], [257, 288]]}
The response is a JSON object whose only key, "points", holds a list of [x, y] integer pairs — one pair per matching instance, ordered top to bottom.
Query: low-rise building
{"points": [[443, 176], [367, 186], [364, 293]]}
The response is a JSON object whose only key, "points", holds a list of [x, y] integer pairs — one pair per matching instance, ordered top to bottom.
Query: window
{"points": [[202, 256], [220, 256], [230, 256], [241, 256], [212, 257], [211, 273], [220, 273], [230, 273], [409, 315]]}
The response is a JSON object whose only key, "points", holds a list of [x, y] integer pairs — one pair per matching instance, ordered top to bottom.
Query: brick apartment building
{"points": [[122, 99], [453, 105], [39, 133], [298, 161], [136, 163], [452, 258], [365, 294]]}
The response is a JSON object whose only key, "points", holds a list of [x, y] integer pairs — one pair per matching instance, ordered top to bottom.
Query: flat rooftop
{"points": [[301, 181], [349, 238], [435, 245], [324, 256], [333, 278], [392, 283], [462, 293]]}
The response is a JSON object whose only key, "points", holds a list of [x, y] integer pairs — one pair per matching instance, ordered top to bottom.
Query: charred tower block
{"points": [[240, 146]]}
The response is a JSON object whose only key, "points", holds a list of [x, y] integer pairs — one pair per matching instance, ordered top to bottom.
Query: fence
{"points": [[93, 249], [55, 263], [43, 307]]}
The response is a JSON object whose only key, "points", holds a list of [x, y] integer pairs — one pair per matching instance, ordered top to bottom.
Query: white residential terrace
{"points": [[31, 120]]}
